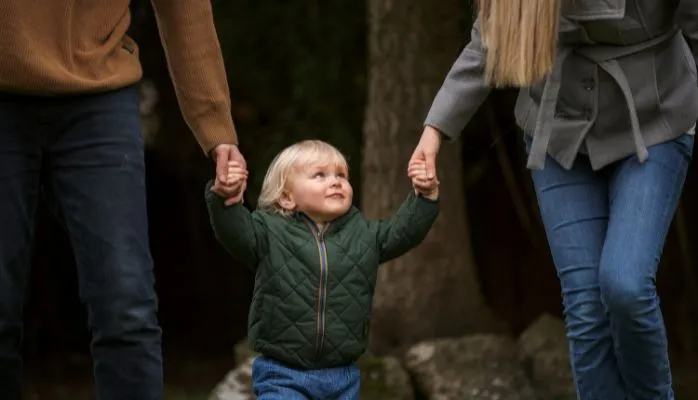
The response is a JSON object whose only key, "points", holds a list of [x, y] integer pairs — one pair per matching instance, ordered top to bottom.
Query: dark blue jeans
{"points": [[85, 153], [606, 230], [272, 380]]}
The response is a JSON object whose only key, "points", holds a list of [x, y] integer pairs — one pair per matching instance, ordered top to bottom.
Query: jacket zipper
{"points": [[322, 288]]}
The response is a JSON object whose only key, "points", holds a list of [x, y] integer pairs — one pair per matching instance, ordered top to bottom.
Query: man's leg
{"points": [[20, 164], [97, 183]]}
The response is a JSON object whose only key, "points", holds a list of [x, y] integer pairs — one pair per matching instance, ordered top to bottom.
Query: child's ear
{"points": [[286, 201]]}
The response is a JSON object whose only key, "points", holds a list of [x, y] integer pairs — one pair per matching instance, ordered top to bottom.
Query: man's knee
{"points": [[124, 308]]}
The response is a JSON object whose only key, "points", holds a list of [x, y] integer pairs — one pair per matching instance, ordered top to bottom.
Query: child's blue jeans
{"points": [[272, 380]]}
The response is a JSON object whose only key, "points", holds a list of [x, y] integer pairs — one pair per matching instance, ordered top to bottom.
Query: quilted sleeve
{"points": [[407, 228], [236, 229]]}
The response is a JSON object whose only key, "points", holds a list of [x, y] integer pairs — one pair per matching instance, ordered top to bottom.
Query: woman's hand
{"points": [[426, 150], [427, 187]]}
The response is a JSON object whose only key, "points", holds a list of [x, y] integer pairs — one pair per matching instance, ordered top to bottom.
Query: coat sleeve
{"points": [[463, 90], [407, 228], [237, 229]]}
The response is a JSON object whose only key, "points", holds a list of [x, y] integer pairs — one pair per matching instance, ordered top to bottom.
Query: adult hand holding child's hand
{"points": [[427, 149], [235, 181], [427, 187]]}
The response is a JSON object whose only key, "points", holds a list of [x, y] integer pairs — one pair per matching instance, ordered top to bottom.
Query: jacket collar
{"points": [[334, 225]]}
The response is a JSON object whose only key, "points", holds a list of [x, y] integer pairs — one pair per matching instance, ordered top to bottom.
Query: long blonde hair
{"points": [[520, 37], [293, 159]]}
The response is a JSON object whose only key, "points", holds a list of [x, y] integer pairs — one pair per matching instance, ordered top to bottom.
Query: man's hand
{"points": [[427, 150], [223, 154], [237, 181]]}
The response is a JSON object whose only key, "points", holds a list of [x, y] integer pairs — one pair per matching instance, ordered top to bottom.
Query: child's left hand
{"points": [[427, 187]]}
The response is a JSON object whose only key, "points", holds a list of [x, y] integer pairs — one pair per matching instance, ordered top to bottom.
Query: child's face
{"points": [[320, 190]]}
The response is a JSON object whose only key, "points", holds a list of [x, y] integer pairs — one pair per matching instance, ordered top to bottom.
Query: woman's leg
{"points": [[643, 199], [574, 208]]}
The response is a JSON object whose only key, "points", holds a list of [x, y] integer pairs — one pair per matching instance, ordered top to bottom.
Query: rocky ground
{"points": [[534, 366], [496, 367]]}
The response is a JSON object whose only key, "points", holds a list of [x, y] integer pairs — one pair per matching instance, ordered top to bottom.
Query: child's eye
{"points": [[319, 175]]}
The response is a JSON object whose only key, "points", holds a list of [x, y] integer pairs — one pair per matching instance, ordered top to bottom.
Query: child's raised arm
{"points": [[408, 227], [240, 233]]}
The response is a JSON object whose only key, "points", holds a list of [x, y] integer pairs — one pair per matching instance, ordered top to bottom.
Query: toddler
{"points": [[315, 259]]}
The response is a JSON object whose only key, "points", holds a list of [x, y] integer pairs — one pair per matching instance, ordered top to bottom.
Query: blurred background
{"points": [[360, 75]]}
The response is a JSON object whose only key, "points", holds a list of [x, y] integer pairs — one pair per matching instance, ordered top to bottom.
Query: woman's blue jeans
{"points": [[606, 230]]}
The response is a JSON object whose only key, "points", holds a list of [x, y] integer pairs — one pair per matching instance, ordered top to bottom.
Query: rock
{"points": [[243, 352], [544, 352], [472, 367], [384, 379], [237, 384]]}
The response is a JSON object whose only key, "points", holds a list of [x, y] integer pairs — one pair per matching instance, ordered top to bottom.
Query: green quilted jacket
{"points": [[311, 306]]}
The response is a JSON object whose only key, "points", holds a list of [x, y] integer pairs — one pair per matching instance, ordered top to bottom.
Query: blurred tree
{"points": [[296, 70], [433, 291]]}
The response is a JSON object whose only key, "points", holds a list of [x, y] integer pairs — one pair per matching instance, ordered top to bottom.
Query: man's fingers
{"points": [[221, 153], [224, 154], [235, 155], [221, 169], [237, 172], [231, 173], [234, 180], [218, 188], [230, 188], [238, 196]]}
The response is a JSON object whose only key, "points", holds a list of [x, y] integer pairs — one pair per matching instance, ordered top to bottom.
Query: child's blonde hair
{"points": [[520, 37], [289, 161]]}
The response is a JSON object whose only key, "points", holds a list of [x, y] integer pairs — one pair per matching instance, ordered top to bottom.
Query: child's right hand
{"points": [[236, 180]]}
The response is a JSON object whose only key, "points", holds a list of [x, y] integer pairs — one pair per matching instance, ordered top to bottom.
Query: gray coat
{"points": [[624, 79]]}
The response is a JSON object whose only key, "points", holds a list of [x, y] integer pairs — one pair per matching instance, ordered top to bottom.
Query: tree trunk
{"points": [[434, 290]]}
